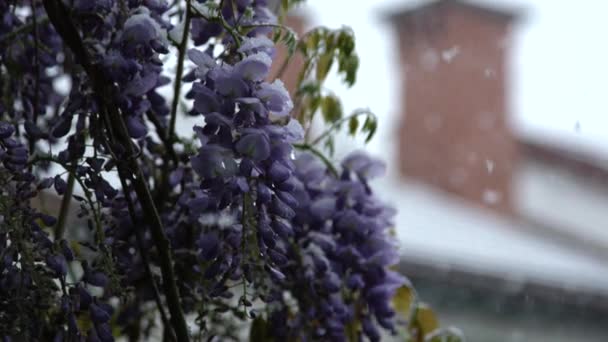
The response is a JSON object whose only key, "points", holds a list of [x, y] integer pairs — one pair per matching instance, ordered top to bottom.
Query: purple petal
{"points": [[257, 44], [203, 61], [254, 67], [139, 85], [231, 86], [275, 97], [205, 100], [63, 126], [136, 127], [6, 130], [254, 145], [214, 161], [279, 172], [323, 208], [209, 246], [57, 264], [96, 278], [98, 315]]}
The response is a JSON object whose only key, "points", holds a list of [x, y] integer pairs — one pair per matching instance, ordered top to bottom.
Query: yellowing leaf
{"points": [[324, 64], [403, 300], [426, 320]]}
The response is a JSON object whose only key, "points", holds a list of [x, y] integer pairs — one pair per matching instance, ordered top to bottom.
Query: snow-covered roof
{"points": [[486, 7], [570, 145], [436, 229]]}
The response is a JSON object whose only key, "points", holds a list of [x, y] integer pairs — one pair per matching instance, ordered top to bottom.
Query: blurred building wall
{"points": [[454, 132]]}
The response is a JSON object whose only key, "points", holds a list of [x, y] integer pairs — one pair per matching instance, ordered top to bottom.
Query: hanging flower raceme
{"points": [[244, 160], [343, 253], [34, 268]]}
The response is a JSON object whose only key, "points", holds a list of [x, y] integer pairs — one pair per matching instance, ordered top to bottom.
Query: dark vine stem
{"points": [[59, 17], [36, 63], [180, 69], [65, 204], [146, 261]]}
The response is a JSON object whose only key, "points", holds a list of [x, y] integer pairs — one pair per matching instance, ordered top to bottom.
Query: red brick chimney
{"points": [[454, 129]]}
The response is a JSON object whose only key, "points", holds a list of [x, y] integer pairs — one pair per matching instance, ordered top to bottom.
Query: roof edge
{"points": [[403, 12]]}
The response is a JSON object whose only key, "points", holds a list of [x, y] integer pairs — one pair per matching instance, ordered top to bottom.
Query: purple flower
{"points": [[140, 29], [257, 44], [254, 67], [141, 84], [275, 97], [205, 100], [136, 127], [6, 130], [255, 145], [214, 161], [323, 208], [57, 264], [96, 278], [98, 315]]}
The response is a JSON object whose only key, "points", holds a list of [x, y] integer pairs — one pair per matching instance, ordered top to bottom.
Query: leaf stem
{"points": [[337, 124], [324, 159]]}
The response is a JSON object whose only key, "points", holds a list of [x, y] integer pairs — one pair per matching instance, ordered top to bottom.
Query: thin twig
{"points": [[337, 124], [162, 135], [87, 193], [65, 203]]}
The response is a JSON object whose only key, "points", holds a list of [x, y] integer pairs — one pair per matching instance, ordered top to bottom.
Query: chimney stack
{"points": [[454, 131]]}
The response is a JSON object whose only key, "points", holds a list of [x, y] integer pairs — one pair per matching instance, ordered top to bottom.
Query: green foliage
{"points": [[331, 108], [420, 323]]}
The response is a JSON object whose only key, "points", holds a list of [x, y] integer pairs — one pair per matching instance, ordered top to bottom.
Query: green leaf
{"points": [[276, 36], [314, 37], [291, 41], [346, 41], [324, 64], [349, 66], [309, 88], [315, 102], [331, 107], [353, 125], [370, 125], [329, 145]]}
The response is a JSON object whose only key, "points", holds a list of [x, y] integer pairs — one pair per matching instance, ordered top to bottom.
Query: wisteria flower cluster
{"points": [[239, 223]]}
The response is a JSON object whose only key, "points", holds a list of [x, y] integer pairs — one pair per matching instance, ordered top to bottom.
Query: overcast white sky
{"points": [[560, 65]]}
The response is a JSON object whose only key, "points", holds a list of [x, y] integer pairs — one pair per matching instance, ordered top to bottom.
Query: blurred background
{"points": [[493, 126]]}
